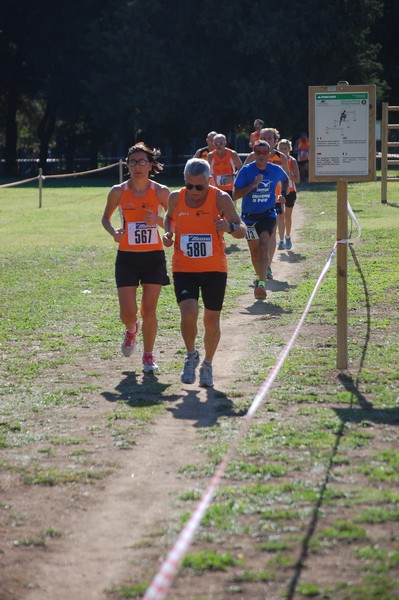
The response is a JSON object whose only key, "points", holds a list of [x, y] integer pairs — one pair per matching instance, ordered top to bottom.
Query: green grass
{"points": [[318, 469], [206, 560]]}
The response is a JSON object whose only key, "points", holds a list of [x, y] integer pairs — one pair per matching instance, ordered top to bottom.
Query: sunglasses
{"points": [[219, 143], [260, 152], [141, 161], [198, 187]]}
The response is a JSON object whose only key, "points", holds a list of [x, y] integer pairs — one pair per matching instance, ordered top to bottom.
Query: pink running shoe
{"points": [[129, 341], [149, 364]]}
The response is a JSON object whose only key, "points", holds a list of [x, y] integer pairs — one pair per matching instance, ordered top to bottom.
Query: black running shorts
{"points": [[133, 268], [211, 283]]}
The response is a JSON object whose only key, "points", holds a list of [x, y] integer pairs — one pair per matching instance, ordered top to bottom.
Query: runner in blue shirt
{"points": [[256, 184]]}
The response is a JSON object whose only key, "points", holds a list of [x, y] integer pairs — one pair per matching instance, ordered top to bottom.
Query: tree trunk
{"points": [[45, 130], [71, 143], [10, 154]]}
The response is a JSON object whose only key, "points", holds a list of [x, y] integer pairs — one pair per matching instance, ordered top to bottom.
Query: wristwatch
{"points": [[233, 227]]}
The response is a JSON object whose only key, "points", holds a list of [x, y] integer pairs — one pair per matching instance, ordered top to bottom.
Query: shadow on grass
{"points": [[232, 248], [291, 257], [260, 307], [143, 391], [365, 410], [205, 414], [346, 415], [300, 565]]}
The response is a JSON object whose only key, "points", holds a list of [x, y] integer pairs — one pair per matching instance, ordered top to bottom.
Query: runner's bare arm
{"points": [[113, 200], [229, 220], [168, 221]]}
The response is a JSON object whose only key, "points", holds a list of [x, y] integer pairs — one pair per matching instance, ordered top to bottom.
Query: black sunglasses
{"points": [[198, 187]]}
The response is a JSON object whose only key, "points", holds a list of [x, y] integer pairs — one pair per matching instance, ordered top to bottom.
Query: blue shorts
{"points": [[133, 268], [211, 283]]}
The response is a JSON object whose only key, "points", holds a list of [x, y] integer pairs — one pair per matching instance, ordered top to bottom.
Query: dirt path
{"points": [[96, 549]]}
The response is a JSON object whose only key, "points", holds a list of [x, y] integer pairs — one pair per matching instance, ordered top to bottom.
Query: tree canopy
{"points": [[90, 77]]}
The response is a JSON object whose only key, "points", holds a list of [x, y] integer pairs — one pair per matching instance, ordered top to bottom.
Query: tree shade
{"points": [[103, 74]]}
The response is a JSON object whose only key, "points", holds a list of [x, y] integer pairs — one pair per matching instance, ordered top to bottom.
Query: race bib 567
{"points": [[141, 234]]}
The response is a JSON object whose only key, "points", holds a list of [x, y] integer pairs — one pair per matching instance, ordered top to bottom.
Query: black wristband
{"points": [[233, 227]]}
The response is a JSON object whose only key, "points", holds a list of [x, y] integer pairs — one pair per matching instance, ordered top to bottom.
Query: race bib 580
{"points": [[196, 245]]}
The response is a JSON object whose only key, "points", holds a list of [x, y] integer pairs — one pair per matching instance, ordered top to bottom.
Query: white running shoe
{"points": [[129, 341], [149, 364], [190, 364]]}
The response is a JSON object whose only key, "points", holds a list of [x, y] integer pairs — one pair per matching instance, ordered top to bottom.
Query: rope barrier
{"points": [[80, 172], [60, 176], [6, 185], [167, 572]]}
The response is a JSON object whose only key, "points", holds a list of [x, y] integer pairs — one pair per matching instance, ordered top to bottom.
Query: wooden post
{"points": [[384, 153], [120, 170], [40, 186], [342, 281]]}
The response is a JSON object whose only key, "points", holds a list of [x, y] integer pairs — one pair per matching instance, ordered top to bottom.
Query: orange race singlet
{"points": [[275, 159], [222, 170], [138, 236], [198, 246]]}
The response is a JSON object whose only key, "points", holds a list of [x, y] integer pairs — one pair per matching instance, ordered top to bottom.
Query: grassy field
{"points": [[326, 452]]}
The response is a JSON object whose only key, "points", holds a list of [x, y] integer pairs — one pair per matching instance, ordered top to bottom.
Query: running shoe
{"points": [[288, 243], [281, 245], [269, 273], [255, 283], [260, 292], [129, 341], [149, 364], [190, 364], [206, 375]]}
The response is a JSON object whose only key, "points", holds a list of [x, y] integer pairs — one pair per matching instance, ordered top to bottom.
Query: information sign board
{"points": [[342, 133]]}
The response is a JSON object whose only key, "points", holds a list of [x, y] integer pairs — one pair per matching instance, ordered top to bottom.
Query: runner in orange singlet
{"points": [[255, 135], [285, 147], [302, 151], [203, 152], [225, 163], [198, 215], [140, 257]]}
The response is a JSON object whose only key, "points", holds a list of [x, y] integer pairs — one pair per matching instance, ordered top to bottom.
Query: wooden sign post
{"points": [[342, 149]]}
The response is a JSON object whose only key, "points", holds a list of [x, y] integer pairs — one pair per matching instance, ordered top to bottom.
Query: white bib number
{"points": [[224, 179], [251, 233], [141, 234], [196, 245]]}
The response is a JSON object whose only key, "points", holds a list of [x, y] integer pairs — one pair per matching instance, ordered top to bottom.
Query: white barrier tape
{"points": [[354, 219], [166, 574]]}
